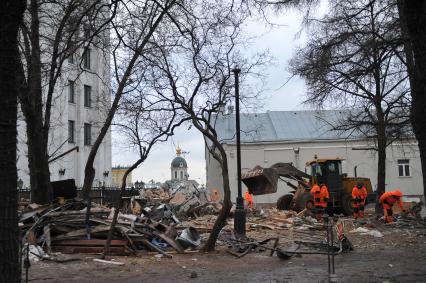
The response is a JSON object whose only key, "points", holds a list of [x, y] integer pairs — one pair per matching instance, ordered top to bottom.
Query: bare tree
{"points": [[11, 15], [413, 26], [132, 29], [51, 34], [354, 59], [193, 70], [143, 120]]}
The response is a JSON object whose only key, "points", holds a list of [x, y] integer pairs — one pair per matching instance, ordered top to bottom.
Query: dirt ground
{"points": [[398, 256]]}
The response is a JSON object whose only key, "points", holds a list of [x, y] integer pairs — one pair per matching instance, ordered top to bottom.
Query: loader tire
{"points": [[305, 201], [284, 202], [347, 208]]}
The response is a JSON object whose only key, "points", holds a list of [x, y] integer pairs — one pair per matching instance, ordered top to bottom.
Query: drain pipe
{"points": [[356, 166]]}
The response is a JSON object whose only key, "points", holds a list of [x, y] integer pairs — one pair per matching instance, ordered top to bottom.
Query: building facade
{"points": [[81, 101], [296, 137], [117, 177]]}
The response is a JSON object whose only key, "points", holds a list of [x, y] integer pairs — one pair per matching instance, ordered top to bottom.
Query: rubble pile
{"points": [[181, 198], [274, 219], [405, 220], [67, 228]]}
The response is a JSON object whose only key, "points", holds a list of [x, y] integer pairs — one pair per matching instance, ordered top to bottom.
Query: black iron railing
{"points": [[101, 195]]}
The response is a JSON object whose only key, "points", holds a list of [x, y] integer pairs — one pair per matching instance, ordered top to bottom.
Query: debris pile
{"points": [[182, 198], [274, 219], [410, 220], [67, 228]]}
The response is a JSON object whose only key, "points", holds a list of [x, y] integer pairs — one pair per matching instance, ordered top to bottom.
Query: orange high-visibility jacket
{"points": [[359, 193], [320, 195], [324, 195], [249, 198], [389, 198]]}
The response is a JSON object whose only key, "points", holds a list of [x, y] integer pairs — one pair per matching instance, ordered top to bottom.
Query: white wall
{"points": [[62, 111], [266, 155]]}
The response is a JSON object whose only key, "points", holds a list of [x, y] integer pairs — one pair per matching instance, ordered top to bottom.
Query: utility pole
{"points": [[240, 213]]}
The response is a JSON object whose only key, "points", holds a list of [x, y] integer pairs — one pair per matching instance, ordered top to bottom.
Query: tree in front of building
{"points": [[135, 24], [50, 38], [354, 59], [193, 71]]}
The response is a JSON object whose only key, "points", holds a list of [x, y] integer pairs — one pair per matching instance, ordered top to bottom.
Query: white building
{"points": [[80, 104], [297, 136], [178, 167]]}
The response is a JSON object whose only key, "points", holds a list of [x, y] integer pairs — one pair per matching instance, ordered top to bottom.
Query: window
{"points": [[71, 52], [86, 58], [71, 92], [87, 96], [71, 128], [87, 134], [331, 167], [404, 167], [316, 169], [175, 174], [181, 175]]}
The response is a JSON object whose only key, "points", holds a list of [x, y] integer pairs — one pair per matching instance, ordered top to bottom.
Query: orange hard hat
{"points": [[397, 193]]}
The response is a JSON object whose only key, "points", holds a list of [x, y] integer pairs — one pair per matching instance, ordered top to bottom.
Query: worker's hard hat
{"points": [[359, 185], [397, 193]]}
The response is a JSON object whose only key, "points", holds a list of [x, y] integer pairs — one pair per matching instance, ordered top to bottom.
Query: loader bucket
{"points": [[261, 181]]}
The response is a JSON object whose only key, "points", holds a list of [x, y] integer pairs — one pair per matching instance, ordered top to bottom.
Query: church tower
{"points": [[179, 168]]}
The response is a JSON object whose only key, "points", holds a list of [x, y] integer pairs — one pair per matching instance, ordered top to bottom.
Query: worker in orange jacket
{"points": [[320, 196], [359, 196], [248, 197], [388, 199]]}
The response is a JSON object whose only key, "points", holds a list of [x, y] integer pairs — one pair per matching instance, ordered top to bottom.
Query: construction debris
{"points": [[64, 228], [108, 261]]}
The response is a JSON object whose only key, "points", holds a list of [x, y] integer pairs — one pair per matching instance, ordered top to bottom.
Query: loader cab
{"points": [[327, 171]]}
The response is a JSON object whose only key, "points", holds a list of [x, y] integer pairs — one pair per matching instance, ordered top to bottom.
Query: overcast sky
{"points": [[281, 42]]}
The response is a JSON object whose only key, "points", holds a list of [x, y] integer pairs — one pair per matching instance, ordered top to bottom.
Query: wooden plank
{"points": [[270, 227], [83, 232], [91, 242], [90, 250]]}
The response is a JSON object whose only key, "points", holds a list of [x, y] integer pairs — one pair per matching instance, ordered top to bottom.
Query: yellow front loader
{"points": [[328, 171]]}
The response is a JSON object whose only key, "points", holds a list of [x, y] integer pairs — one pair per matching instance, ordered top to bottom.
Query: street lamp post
{"points": [[240, 213]]}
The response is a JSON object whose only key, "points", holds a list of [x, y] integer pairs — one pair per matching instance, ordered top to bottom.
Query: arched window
{"points": [[175, 174], [181, 175]]}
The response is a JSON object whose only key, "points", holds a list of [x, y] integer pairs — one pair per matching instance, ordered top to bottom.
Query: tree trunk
{"points": [[11, 12], [413, 26], [381, 152], [381, 175], [41, 189], [119, 203], [226, 208]]}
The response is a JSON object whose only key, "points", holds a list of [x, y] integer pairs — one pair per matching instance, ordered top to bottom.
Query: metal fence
{"points": [[101, 195]]}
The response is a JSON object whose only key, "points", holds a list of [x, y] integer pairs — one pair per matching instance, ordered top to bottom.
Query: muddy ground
{"points": [[398, 256]]}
